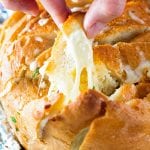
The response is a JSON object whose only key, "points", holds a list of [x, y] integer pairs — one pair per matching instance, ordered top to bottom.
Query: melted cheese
{"points": [[81, 9], [80, 48], [78, 55], [134, 76]]}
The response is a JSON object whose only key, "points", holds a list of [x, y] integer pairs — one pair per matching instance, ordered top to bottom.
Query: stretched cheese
{"points": [[80, 48], [77, 55]]}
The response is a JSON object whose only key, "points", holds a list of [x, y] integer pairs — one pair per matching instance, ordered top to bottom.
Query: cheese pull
{"points": [[79, 47], [74, 55]]}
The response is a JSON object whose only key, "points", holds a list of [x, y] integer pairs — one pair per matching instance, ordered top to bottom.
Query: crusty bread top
{"points": [[78, 3], [134, 21]]}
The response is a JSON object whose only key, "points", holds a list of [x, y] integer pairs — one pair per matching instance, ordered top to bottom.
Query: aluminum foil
{"points": [[4, 13], [7, 139]]}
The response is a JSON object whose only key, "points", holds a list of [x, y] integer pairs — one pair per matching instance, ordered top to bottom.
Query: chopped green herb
{"points": [[35, 73], [93, 88], [18, 113], [13, 119], [17, 129]]}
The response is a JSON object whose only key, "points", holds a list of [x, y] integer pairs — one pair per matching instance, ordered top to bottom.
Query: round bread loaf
{"points": [[35, 66]]}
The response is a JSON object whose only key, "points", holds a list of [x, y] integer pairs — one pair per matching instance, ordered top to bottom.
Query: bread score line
{"points": [[49, 121]]}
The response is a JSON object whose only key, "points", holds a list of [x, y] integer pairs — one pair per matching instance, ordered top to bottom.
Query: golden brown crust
{"points": [[80, 3], [73, 19], [10, 22], [126, 27], [145, 37], [27, 39], [138, 52], [110, 56], [116, 58], [143, 89], [21, 94], [75, 116], [122, 128]]}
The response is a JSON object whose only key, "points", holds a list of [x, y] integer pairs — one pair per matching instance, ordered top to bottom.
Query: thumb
{"points": [[100, 13]]}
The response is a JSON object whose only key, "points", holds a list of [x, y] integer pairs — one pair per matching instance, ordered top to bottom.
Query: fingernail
{"points": [[95, 29]]}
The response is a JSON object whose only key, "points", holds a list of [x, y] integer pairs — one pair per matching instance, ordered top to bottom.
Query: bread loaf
{"points": [[61, 90]]}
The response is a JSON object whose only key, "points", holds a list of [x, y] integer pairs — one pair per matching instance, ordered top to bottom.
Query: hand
{"points": [[27, 6], [99, 14]]}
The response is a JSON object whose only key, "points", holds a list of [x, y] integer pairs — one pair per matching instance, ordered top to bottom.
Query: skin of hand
{"points": [[99, 14]]}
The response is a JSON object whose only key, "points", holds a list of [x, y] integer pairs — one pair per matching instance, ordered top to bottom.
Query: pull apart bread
{"points": [[61, 90]]}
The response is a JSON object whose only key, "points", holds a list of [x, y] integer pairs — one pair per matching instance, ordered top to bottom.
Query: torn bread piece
{"points": [[71, 54], [130, 67], [123, 127]]}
